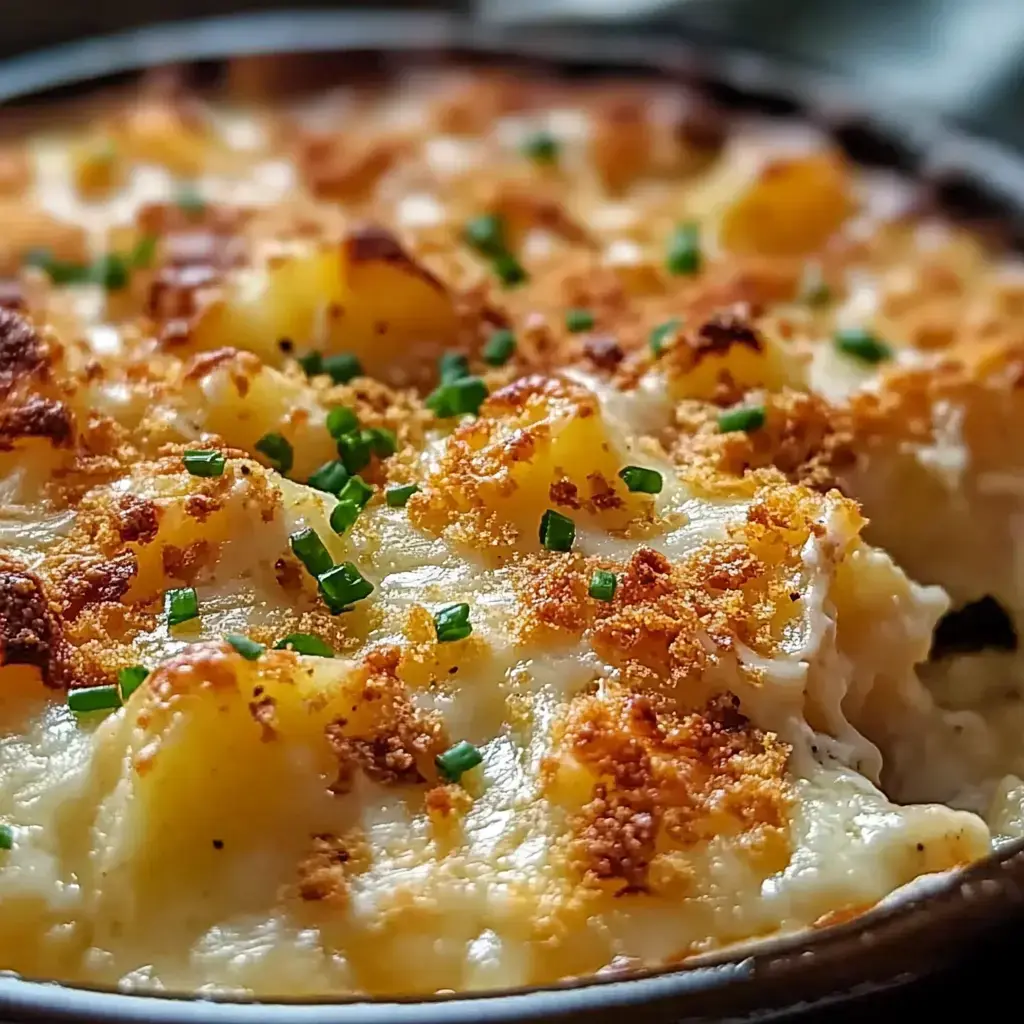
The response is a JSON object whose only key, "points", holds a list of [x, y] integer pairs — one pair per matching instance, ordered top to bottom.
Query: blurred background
{"points": [[962, 57]]}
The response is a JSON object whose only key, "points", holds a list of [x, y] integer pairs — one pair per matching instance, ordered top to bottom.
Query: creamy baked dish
{"points": [[480, 530]]}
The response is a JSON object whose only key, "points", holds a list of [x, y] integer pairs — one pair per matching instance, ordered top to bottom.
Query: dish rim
{"points": [[975, 898]]}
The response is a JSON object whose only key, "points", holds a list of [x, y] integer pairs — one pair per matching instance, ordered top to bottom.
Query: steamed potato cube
{"points": [[97, 167], [792, 208]]}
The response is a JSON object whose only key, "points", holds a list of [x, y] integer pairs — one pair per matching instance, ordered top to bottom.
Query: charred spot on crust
{"points": [[372, 243], [723, 330], [603, 351], [22, 352], [37, 417], [137, 519], [89, 581], [982, 625]]}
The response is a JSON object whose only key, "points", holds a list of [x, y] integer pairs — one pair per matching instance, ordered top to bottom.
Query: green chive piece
{"points": [[541, 147], [189, 201], [486, 234], [684, 250], [143, 252], [508, 270], [59, 271], [111, 272], [814, 289], [577, 320], [660, 335], [862, 345], [500, 348], [312, 363], [452, 366], [342, 367], [464, 395], [748, 419], [341, 421], [382, 441], [278, 451], [354, 452], [204, 463], [330, 477], [640, 480], [357, 491], [398, 497], [343, 515], [557, 532], [310, 551], [602, 585], [342, 586], [181, 605], [452, 623], [304, 643], [247, 648], [130, 679], [94, 698], [458, 760], [6, 837]]}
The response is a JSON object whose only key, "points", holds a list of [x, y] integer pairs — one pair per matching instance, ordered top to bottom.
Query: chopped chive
{"points": [[541, 147], [189, 201], [486, 234], [684, 250], [143, 252], [508, 270], [59, 271], [111, 272], [814, 289], [577, 320], [660, 335], [862, 345], [500, 347], [312, 363], [452, 366], [342, 367], [464, 395], [748, 419], [341, 421], [382, 441], [278, 451], [354, 452], [204, 463], [329, 478], [640, 480], [357, 491], [398, 497], [343, 515], [557, 532], [310, 551], [343, 585], [602, 585], [181, 605], [452, 623], [304, 643], [247, 648], [130, 679], [94, 698], [458, 760], [6, 837]]}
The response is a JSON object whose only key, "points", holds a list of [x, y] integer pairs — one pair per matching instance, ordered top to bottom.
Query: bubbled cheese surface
{"points": [[745, 741]]}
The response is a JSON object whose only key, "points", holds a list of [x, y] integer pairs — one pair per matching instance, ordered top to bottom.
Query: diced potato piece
{"points": [[160, 131], [621, 143], [97, 167], [15, 170], [792, 208], [28, 228], [367, 297], [727, 350], [240, 400], [539, 444], [219, 763]]}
